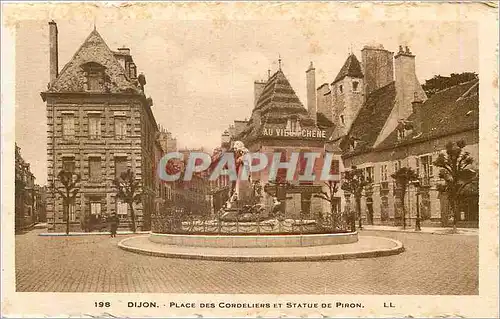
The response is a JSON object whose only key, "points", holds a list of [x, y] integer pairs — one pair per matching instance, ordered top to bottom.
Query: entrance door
{"points": [[369, 206]]}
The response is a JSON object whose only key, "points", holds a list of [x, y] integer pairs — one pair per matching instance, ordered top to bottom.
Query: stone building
{"points": [[383, 121], [279, 123], [99, 124], [27, 194]]}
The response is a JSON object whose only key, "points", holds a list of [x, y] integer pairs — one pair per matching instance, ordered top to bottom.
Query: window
{"points": [[133, 71], [94, 76], [355, 86], [341, 89], [342, 119], [68, 125], [293, 125], [95, 126], [120, 127], [401, 133], [68, 164], [120, 165], [397, 166], [417, 167], [427, 167], [335, 168], [95, 172], [281, 173], [383, 173], [369, 174], [305, 204], [95, 208], [121, 208], [71, 211]]}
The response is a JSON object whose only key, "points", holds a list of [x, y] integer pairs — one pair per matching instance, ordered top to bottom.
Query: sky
{"points": [[200, 74]]}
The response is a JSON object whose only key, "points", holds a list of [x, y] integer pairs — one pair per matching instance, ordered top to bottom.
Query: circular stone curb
{"points": [[333, 256]]}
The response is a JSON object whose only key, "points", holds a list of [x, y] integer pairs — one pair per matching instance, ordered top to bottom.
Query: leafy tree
{"points": [[455, 172], [403, 177], [69, 181], [354, 182], [128, 190], [329, 196]]}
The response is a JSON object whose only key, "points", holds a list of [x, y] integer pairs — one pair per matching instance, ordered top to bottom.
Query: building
{"points": [[383, 121], [280, 123], [100, 124], [27, 195]]}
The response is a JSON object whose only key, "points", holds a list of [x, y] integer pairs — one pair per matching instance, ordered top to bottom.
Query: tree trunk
{"points": [[403, 194], [358, 209], [66, 211], [334, 215], [132, 216]]}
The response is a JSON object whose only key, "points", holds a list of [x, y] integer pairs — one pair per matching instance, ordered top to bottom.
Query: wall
{"points": [[408, 155]]}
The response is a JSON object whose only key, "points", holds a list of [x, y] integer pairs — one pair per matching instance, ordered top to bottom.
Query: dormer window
{"points": [[133, 71], [94, 77], [355, 86], [341, 89], [342, 119], [401, 133]]}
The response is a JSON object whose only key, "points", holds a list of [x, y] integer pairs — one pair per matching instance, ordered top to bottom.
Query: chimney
{"points": [[53, 52], [378, 67], [258, 87], [408, 89], [311, 92], [417, 111]]}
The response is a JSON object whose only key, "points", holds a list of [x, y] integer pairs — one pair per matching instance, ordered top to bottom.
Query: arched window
{"points": [[94, 76]]}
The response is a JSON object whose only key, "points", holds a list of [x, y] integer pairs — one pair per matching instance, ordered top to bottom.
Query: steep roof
{"points": [[93, 49], [351, 68], [277, 103], [447, 112], [371, 118]]}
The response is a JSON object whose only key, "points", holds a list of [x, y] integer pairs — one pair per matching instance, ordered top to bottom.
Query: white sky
{"points": [[200, 74]]}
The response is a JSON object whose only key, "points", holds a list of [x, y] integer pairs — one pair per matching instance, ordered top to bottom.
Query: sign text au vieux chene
{"points": [[304, 133]]}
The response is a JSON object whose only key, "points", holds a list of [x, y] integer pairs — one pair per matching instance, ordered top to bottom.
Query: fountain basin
{"points": [[254, 241]]}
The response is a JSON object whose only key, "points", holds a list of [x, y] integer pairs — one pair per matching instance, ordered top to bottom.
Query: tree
{"points": [[455, 172], [403, 177], [69, 180], [354, 182], [128, 190], [329, 196]]}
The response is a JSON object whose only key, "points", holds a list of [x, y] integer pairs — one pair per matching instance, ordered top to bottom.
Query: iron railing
{"points": [[176, 221]]}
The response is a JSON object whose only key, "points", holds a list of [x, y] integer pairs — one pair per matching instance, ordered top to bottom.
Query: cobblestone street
{"points": [[431, 264]]}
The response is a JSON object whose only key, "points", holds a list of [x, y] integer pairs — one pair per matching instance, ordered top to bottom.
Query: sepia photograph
{"points": [[225, 155]]}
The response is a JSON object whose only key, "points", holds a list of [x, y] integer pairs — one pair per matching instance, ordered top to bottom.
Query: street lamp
{"points": [[416, 183]]}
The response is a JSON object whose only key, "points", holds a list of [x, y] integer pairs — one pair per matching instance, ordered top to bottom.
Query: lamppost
{"points": [[416, 184]]}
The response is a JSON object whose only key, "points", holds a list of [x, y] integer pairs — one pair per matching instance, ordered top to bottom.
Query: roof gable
{"points": [[93, 51], [351, 68], [277, 103], [446, 112], [372, 117]]}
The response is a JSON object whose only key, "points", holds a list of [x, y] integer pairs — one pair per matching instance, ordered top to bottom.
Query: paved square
{"points": [[432, 264]]}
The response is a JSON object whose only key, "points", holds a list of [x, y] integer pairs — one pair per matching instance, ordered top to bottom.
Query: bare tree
{"points": [[455, 172], [403, 177], [69, 180], [354, 182], [128, 190], [329, 196]]}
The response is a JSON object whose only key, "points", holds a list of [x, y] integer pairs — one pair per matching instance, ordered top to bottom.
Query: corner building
{"points": [[99, 124], [281, 124]]}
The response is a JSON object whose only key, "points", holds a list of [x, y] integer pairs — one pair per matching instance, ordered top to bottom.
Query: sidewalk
{"points": [[428, 230], [93, 233]]}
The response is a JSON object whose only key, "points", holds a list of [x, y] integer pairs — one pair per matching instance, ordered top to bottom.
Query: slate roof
{"points": [[94, 49], [351, 68], [277, 103], [447, 112], [371, 118]]}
